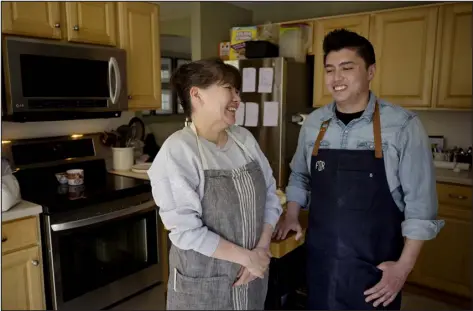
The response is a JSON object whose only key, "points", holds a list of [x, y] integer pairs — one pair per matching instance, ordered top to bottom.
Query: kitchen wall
{"points": [[211, 23], [177, 27], [454, 126]]}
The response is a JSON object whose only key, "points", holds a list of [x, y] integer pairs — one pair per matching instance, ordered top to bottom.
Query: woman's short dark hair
{"points": [[342, 38], [203, 74]]}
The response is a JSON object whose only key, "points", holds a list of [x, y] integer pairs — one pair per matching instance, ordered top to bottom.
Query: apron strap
{"points": [[376, 134], [205, 165]]}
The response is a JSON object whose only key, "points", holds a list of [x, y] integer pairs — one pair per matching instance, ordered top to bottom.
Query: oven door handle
{"points": [[105, 217]]}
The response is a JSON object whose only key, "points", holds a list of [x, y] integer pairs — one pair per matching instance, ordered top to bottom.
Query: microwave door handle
{"points": [[110, 66], [118, 83]]}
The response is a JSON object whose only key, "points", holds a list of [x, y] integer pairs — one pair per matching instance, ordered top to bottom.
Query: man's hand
{"points": [[288, 223], [394, 276]]}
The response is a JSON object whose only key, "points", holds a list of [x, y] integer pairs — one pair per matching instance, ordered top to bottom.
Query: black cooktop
{"points": [[40, 186]]}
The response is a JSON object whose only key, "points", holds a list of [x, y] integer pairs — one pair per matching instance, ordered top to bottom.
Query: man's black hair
{"points": [[345, 39]]}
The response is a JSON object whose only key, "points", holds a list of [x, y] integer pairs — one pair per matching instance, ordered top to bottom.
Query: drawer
{"points": [[454, 195], [19, 234]]}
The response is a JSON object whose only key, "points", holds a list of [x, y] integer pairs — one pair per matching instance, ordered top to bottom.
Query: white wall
{"points": [[454, 126], [13, 130]]}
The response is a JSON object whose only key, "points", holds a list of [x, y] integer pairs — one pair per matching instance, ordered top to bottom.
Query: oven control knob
{"points": [[35, 262]]}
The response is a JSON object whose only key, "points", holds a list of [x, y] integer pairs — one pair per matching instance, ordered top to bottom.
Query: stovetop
{"points": [[40, 186]]}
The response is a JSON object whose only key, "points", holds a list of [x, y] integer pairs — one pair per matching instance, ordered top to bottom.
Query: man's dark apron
{"points": [[354, 225]]}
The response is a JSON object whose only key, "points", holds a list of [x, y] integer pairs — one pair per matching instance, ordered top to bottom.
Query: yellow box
{"points": [[239, 35]]}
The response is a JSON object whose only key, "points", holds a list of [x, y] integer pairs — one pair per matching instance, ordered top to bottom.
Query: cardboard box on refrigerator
{"points": [[240, 35]]}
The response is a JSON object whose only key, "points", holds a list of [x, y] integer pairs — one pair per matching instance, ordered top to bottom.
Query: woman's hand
{"points": [[258, 261]]}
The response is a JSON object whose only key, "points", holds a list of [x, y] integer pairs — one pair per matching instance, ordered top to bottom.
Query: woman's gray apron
{"points": [[232, 206]]}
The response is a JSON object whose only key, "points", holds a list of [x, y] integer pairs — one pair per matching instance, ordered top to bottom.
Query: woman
{"points": [[217, 196]]}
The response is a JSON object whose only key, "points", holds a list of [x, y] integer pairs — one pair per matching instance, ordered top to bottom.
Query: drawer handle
{"points": [[458, 197], [4, 239], [35, 262]]}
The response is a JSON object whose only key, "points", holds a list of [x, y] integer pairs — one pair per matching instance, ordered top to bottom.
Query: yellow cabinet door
{"points": [[32, 18], [91, 22], [359, 24], [139, 36], [404, 44], [452, 86], [445, 262], [22, 286]]}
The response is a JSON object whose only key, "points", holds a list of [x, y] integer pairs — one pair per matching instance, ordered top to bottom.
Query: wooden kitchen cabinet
{"points": [[32, 18], [91, 22], [359, 24], [139, 36], [404, 44], [452, 80], [445, 262], [22, 268]]}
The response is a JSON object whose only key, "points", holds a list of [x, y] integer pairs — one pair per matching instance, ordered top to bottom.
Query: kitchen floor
{"points": [[153, 299]]}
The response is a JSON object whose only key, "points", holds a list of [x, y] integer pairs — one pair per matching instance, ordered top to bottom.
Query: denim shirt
{"points": [[406, 153]]}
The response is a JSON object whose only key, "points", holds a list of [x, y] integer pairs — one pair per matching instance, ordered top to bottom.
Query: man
{"points": [[368, 168]]}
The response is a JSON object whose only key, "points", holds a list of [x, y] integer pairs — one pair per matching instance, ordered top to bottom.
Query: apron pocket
{"points": [[206, 292]]}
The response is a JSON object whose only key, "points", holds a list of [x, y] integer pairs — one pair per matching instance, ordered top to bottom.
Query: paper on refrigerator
{"points": [[249, 80], [265, 80], [240, 114], [251, 114], [271, 114]]}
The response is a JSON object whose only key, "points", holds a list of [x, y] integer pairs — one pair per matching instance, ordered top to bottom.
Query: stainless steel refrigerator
{"points": [[290, 88]]}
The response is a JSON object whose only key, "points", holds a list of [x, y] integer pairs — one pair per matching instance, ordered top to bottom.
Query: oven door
{"points": [[46, 76], [98, 261]]}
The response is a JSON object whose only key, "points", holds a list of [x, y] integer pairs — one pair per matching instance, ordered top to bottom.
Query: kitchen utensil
{"points": [[139, 126], [124, 132], [123, 158], [141, 168], [75, 177], [61, 178]]}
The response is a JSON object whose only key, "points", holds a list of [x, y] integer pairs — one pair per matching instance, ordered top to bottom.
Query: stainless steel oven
{"points": [[45, 77], [102, 254]]}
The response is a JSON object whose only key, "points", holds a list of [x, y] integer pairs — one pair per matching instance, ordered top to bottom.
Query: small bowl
{"points": [[75, 177], [61, 178]]}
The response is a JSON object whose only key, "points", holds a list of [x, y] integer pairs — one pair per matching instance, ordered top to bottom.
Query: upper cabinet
{"points": [[35, 19], [91, 22], [359, 24], [139, 36], [404, 44], [423, 55], [452, 83]]}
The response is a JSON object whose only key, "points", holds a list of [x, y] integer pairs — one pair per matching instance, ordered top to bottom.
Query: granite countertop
{"points": [[21, 210]]}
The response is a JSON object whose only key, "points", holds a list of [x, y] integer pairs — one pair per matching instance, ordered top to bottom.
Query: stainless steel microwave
{"points": [[47, 80]]}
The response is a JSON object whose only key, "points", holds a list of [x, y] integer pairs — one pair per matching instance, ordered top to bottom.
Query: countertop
{"points": [[442, 175], [449, 176], [21, 210]]}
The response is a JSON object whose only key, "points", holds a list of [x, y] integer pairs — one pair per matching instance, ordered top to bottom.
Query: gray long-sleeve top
{"points": [[177, 180]]}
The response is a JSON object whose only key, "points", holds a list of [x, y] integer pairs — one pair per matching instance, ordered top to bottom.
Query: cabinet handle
{"points": [[57, 25], [76, 28], [129, 97], [458, 197], [4, 239], [35, 262]]}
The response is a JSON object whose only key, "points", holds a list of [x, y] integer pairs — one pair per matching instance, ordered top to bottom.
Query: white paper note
{"points": [[249, 80], [265, 81], [240, 114], [251, 114], [271, 114]]}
